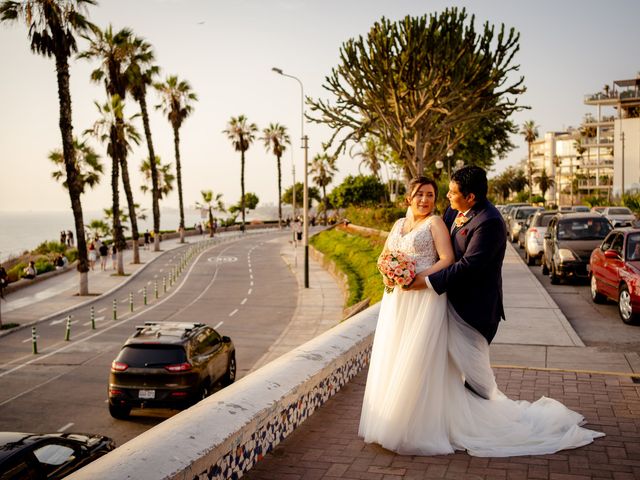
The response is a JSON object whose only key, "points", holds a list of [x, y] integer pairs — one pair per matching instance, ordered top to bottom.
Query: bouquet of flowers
{"points": [[397, 268]]}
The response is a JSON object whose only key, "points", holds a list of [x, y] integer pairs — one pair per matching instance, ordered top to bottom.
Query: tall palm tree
{"points": [[52, 26], [112, 50], [140, 74], [176, 103], [530, 132], [118, 133], [241, 135], [275, 138], [372, 155], [87, 164], [323, 168], [164, 177], [544, 181], [211, 202]]}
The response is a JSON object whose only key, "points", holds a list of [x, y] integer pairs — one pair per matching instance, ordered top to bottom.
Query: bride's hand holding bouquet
{"points": [[397, 268]]}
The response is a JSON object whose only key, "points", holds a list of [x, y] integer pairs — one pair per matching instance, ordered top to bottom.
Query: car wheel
{"points": [[527, 258], [545, 269], [553, 275], [596, 296], [624, 305], [230, 374], [205, 390], [120, 412]]}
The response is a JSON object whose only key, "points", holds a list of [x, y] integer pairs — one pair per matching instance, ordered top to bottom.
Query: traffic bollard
{"points": [[164, 284], [155, 288], [144, 295], [131, 301], [115, 309], [92, 315], [67, 333], [34, 341]]}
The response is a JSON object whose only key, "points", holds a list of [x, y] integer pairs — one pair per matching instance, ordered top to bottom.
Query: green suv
{"points": [[169, 365]]}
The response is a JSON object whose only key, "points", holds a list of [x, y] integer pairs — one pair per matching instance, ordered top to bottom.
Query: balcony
{"points": [[602, 98], [605, 120], [593, 142]]}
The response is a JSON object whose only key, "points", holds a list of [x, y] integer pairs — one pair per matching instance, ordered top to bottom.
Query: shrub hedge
{"points": [[356, 256]]}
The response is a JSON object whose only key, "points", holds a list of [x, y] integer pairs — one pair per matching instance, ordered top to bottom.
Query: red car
{"points": [[615, 272]]}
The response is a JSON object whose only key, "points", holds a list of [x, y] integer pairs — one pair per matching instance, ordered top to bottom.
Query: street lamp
{"points": [[440, 164], [305, 192]]}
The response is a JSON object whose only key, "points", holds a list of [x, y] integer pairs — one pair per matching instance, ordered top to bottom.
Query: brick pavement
{"points": [[326, 445]]}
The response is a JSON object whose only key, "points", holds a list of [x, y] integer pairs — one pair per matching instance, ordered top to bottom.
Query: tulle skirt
{"points": [[415, 400]]}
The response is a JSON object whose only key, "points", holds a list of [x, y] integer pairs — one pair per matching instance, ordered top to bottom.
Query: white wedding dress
{"points": [[415, 400]]}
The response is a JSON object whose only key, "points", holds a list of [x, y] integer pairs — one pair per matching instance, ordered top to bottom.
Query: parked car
{"points": [[580, 209], [598, 209], [506, 210], [619, 216], [517, 218], [533, 242], [568, 242], [615, 272], [169, 365], [31, 456]]}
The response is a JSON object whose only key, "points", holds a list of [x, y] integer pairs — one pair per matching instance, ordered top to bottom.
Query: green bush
{"points": [[382, 217], [50, 247], [72, 255], [356, 256], [43, 265], [15, 273]]}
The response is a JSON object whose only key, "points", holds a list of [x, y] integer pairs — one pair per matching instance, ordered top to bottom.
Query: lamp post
{"points": [[622, 140], [440, 164], [305, 192]]}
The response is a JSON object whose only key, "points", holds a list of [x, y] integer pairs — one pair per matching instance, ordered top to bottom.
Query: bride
{"points": [[415, 400]]}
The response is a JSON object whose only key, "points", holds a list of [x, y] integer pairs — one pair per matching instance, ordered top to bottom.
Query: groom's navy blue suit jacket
{"points": [[474, 281]]}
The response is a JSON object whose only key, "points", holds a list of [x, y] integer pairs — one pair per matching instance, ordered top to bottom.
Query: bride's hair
{"points": [[416, 183]]}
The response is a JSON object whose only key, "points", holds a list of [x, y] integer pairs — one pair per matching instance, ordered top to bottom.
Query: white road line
{"points": [[161, 270], [250, 271], [251, 276], [149, 282], [251, 283], [140, 291], [249, 292], [126, 300], [244, 300], [101, 310], [233, 313], [99, 318], [56, 322], [218, 325], [30, 339], [31, 389], [68, 425]]}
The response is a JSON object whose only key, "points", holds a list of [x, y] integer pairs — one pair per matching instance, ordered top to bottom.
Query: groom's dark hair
{"points": [[471, 179]]}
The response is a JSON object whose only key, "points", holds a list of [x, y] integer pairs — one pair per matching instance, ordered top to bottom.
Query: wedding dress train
{"points": [[415, 400]]}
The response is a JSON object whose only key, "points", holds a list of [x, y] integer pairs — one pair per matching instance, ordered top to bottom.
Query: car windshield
{"points": [[619, 211], [524, 212], [543, 220], [583, 229], [633, 247], [151, 355]]}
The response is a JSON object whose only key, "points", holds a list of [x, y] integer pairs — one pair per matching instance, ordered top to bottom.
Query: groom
{"points": [[474, 281]]}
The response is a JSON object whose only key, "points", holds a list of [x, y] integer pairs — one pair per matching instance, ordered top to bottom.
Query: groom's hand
{"points": [[418, 283]]}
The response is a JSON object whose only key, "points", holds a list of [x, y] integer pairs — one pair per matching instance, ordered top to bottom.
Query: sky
{"points": [[226, 50]]}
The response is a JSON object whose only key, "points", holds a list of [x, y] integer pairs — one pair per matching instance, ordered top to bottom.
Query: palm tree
{"points": [[51, 26], [112, 50], [140, 74], [176, 99], [112, 128], [530, 132], [241, 135], [275, 138], [372, 155], [87, 164], [323, 168], [164, 177], [544, 181], [211, 202], [98, 228]]}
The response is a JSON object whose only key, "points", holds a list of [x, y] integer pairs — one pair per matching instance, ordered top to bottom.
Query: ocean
{"points": [[20, 231]]}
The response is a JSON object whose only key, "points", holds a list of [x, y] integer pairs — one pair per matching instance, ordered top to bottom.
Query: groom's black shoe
{"points": [[472, 390]]}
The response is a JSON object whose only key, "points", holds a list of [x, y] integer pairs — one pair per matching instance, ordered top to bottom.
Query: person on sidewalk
{"points": [[104, 254], [30, 271], [4, 280], [415, 399]]}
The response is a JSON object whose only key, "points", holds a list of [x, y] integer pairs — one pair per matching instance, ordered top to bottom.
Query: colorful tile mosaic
{"points": [[284, 421]]}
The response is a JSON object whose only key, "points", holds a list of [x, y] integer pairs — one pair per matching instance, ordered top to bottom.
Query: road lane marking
{"points": [[251, 276], [251, 283], [140, 291], [249, 292], [244, 300], [101, 310], [233, 313], [56, 322], [218, 325], [30, 339], [31, 389], [68, 425]]}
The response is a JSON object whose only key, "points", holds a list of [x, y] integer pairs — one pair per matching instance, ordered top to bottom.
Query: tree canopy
{"points": [[424, 85], [358, 190]]}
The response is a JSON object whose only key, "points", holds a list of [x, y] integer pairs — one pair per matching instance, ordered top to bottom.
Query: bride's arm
{"points": [[442, 242]]}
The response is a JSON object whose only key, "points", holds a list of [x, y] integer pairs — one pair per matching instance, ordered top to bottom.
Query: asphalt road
{"points": [[242, 288], [597, 325]]}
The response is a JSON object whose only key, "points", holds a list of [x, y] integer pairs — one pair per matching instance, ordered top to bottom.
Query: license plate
{"points": [[146, 394]]}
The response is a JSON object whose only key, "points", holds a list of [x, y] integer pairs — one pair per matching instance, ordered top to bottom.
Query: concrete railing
{"points": [[230, 431]]}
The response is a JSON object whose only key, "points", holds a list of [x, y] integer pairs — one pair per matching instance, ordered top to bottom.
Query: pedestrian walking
{"points": [[63, 237], [69, 238], [104, 253], [114, 256]]}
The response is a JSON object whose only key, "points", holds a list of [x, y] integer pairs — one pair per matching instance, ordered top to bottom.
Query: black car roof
{"points": [[163, 333], [12, 442]]}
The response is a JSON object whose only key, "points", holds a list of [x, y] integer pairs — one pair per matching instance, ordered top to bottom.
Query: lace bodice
{"points": [[418, 243]]}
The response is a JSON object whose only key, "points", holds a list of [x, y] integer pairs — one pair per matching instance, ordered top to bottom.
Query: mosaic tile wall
{"points": [[279, 426]]}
